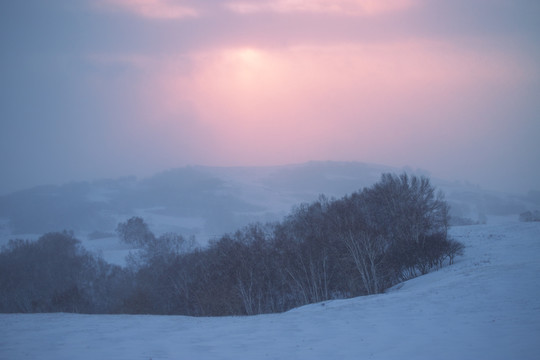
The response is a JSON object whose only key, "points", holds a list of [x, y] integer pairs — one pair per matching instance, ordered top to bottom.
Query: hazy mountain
{"points": [[208, 201]]}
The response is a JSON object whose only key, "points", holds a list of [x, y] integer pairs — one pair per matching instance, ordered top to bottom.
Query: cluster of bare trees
{"points": [[361, 244], [56, 274]]}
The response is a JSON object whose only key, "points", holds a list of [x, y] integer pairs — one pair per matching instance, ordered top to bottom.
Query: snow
{"points": [[483, 307]]}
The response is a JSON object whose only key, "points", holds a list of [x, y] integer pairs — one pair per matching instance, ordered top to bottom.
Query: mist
{"points": [[110, 88]]}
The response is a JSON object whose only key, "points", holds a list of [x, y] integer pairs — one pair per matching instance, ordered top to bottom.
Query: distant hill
{"points": [[209, 201]]}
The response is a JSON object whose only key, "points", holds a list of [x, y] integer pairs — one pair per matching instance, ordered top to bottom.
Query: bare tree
{"points": [[135, 232]]}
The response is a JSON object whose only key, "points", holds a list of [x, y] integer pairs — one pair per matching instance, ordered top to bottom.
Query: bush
{"points": [[530, 216], [135, 232], [54, 274]]}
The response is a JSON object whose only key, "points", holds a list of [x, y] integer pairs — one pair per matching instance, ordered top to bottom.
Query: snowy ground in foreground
{"points": [[486, 306]]}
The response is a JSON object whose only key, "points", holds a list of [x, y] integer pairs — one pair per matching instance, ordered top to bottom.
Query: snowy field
{"points": [[486, 306]]}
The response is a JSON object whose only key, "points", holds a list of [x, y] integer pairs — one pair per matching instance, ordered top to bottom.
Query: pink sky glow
{"points": [[344, 7], [139, 86], [382, 102]]}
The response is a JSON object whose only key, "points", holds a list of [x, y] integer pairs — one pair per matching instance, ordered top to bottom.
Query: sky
{"points": [[94, 89]]}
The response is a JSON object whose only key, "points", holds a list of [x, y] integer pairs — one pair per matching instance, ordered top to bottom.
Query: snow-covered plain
{"points": [[486, 306]]}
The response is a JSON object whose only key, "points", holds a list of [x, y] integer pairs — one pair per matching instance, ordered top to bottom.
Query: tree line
{"points": [[361, 244]]}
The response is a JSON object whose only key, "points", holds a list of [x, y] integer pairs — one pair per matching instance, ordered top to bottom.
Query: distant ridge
{"points": [[207, 201]]}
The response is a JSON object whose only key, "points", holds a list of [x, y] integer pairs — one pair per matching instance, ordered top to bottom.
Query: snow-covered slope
{"points": [[486, 306]]}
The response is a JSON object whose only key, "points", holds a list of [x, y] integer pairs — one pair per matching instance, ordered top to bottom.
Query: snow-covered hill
{"points": [[195, 200], [209, 201], [486, 306]]}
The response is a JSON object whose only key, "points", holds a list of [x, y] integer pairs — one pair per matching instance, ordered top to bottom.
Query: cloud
{"points": [[341, 7], [152, 9], [413, 82], [258, 105]]}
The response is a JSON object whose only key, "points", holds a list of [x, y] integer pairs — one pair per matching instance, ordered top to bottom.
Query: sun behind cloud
{"points": [[272, 105]]}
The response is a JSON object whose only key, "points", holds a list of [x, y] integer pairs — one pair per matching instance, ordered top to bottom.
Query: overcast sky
{"points": [[104, 88]]}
